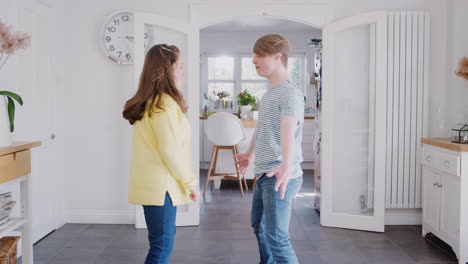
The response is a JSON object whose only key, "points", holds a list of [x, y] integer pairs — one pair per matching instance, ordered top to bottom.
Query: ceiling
{"points": [[259, 23]]}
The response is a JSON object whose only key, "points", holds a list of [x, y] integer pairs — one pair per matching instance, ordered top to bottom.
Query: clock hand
{"points": [[130, 39]]}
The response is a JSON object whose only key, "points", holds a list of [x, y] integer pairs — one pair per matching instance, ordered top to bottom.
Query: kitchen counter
{"points": [[253, 123], [445, 143]]}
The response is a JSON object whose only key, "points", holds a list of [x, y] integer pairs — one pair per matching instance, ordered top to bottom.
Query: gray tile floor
{"points": [[224, 236]]}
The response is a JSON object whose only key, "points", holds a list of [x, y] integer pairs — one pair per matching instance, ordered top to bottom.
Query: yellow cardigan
{"points": [[161, 157]]}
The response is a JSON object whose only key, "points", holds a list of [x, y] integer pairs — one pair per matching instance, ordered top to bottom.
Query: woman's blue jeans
{"points": [[160, 221]]}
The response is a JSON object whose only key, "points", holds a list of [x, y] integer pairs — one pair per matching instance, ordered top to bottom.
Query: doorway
{"points": [[226, 68]]}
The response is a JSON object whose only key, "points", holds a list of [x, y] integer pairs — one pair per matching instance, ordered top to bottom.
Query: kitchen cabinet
{"points": [[445, 193]]}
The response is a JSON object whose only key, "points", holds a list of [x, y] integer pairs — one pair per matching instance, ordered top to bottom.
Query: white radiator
{"points": [[408, 61]]}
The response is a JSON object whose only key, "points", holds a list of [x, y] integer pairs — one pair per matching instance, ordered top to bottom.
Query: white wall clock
{"points": [[117, 37]]}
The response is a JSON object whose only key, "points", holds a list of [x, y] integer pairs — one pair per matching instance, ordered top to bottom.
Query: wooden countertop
{"points": [[306, 118], [252, 123], [445, 143], [19, 146]]}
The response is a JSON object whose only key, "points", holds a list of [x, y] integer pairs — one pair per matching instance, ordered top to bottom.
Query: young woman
{"points": [[161, 173]]}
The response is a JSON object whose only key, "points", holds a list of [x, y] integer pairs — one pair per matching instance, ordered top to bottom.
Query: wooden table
{"points": [[15, 167]]}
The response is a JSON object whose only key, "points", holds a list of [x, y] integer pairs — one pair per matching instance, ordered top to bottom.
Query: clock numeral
{"points": [[125, 18], [117, 22], [111, 29], [146, 35], [108, 39], [111, 48], [120, 53], [128, 56]]}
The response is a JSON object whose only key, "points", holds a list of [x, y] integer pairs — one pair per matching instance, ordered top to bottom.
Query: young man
{"points": [[277, 150]]}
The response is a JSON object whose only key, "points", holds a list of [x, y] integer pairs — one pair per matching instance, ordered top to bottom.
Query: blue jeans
{"points": [[270, 220], [160, 221]]}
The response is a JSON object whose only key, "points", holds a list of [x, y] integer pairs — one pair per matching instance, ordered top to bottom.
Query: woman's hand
{"points": [[194, 193]]}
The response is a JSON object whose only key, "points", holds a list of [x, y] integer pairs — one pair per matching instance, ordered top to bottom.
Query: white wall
{"points": [[9, 15], [244, 41], [456, 87], [98, 139]]}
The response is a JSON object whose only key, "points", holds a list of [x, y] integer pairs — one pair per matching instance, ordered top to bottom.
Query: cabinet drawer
{"points": [[428, 157], [441, 161], [448, 163], [15, 165]]}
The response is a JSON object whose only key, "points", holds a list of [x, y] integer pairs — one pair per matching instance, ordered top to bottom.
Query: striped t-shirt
{"points": [[284, 99]]}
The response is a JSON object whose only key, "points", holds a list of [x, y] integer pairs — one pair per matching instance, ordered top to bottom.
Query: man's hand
{"points": [[243, 161], [282, 174], [194, 193]]}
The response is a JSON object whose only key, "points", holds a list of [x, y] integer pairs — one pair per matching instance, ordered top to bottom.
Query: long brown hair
{"points": [[157, 78]]}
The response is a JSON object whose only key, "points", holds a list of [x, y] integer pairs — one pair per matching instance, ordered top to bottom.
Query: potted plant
{"points": [[9, 43], [245, 100], [254, 112]]}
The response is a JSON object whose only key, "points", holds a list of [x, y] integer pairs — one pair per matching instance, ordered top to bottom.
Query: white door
{"points": [[186, 38], [36, 119], [354, 122], [431, 198], [450, 206]]}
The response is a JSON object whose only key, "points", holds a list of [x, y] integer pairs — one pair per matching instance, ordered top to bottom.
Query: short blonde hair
{"points": [[271, 44]]}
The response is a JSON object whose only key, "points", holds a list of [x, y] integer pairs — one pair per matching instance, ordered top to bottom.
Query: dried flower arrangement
{"points": [[9, 43], [463, 68], [223, 94]]}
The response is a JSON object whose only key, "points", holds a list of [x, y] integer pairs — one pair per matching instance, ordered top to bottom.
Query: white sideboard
{"points": [[15, 167], [445, 193]]}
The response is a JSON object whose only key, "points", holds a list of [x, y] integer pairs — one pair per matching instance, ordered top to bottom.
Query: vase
{"points": [[245, 111], [254, 115], [5, 135]]}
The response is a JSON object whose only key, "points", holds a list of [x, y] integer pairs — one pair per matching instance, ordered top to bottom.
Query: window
{"points": [[295, 70], [236, 73], [220, 75], [250, 80]]}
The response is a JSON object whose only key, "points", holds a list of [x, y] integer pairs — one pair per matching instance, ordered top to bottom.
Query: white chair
{"points": [[225, 131]]}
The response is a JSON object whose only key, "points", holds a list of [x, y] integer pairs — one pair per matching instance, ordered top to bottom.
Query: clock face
{"points": [[118, 37]]}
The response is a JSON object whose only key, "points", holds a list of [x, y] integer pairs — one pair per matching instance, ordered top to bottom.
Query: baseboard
{"points": [[307, 165], [101, 217], [403, 217]]}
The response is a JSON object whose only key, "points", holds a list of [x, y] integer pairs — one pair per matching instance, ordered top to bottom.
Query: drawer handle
{"points": [[428, 158], [447, 164]]}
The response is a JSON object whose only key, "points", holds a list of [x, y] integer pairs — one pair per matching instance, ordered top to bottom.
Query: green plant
{"points": [[246, 98], [11, 106]]}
